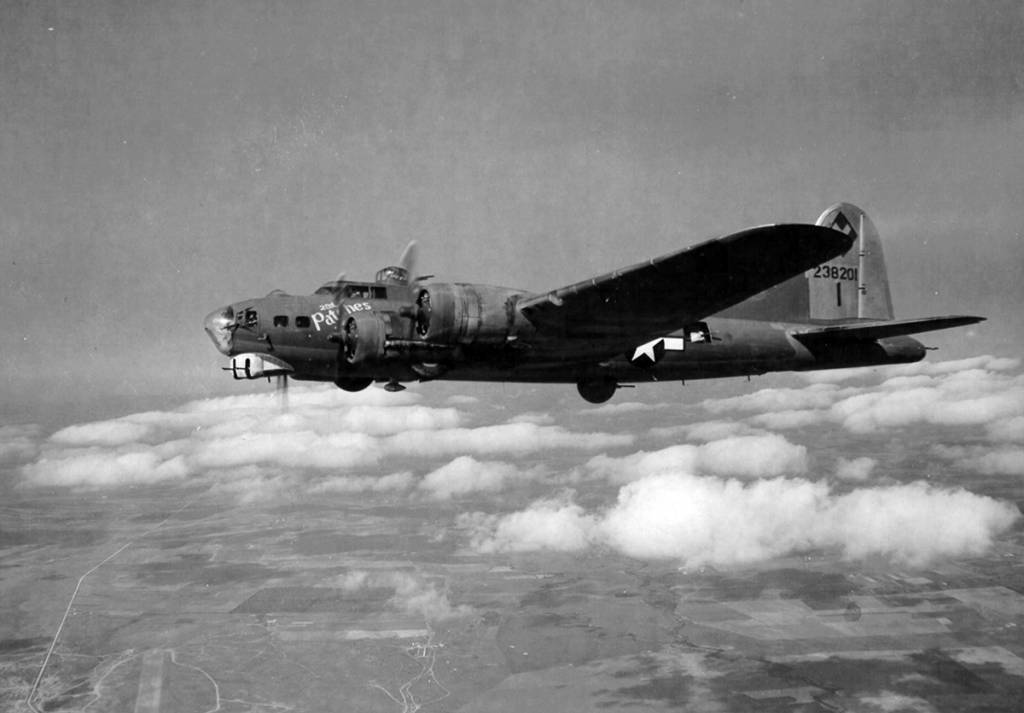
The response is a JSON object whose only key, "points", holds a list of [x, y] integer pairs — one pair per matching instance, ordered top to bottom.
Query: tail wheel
{"points": [[597, 391]]}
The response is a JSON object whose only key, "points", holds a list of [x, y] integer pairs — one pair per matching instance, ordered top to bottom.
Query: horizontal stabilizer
{"points": [[865, 332]]}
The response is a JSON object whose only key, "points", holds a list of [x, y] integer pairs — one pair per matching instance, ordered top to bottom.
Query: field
{"points": [[362, 605]]}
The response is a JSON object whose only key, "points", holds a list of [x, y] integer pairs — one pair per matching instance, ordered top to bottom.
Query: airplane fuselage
{"points": [[475, 333]]}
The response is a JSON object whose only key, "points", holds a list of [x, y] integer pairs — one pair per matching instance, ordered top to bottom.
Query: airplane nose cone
{"points": [[218, 324]]}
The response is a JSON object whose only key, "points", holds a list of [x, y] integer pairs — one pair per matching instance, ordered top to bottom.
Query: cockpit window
{"points": [[395, 274], [357, 291], [250, 318], [281, 320], [302, 322]]}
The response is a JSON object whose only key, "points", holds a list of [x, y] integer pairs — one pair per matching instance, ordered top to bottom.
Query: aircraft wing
{"points": [[661, 295], [871, 331]]}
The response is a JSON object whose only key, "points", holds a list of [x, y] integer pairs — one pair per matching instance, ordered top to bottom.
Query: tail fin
{"points": [[852, 286]]}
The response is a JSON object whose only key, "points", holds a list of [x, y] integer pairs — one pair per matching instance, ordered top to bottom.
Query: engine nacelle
{"points": [[466, 314], [362, 339]]}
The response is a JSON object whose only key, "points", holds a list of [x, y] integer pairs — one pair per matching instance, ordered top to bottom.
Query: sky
{"points": [[161, 159]]}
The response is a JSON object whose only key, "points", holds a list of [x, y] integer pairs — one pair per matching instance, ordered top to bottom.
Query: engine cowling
{"points": [[465, 314], [362, 339]]}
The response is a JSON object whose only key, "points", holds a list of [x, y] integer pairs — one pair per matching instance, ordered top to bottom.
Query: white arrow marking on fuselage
{"points": [[672, 344]]}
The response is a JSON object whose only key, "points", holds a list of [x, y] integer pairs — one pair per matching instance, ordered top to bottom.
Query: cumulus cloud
{"points": [[985, 362], [927, 367], [835, 376], [969, 392], [816, 396], [964, 398], [620, 408], [537, 417], [389, 420], [784, 420], [1010, 429], [325, 430], [705, 430], [117, 432], [501, 438], [18, 444], [287, 449], [757, 456], [752, 457], [1005, 460], [643, 463], [100, 468], [856, 469], [466, 475], [253, 484], [675, 515], [681, 516], [915, 523], [551, 524], [413, 594], [892, 702]]}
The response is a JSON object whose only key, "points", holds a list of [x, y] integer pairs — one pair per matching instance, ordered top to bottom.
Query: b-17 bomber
{"points": [[790, 297]]}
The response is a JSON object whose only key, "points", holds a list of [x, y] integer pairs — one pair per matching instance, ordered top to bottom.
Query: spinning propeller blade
{"points": [[409, 259]]}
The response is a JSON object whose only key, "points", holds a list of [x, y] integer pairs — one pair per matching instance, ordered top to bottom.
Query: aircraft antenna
{"points": [[282, 392]]}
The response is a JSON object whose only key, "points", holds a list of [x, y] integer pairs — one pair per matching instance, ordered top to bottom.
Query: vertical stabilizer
{"points": [[854, 285], [849, 287]]}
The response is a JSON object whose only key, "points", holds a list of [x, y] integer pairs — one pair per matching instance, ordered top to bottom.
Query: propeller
{"points": [[409, 259], [337, 286], [350, 339]]}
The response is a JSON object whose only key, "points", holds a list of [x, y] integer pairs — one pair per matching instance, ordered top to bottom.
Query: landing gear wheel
{"points": [[355, 383], [597, 391]]}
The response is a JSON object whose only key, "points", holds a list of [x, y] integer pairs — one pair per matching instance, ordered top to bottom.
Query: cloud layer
{"points": [[967, 392], [981, 396], [326, 431], [760, 456], [725, 490], [734, 499], [709, 520]]}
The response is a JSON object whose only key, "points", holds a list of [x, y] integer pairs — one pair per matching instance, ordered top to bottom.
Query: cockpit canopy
{"points": [[393, 275], [353, 290]]}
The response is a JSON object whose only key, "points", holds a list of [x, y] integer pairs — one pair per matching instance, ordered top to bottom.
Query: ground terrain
{"points": [[218, 607]]}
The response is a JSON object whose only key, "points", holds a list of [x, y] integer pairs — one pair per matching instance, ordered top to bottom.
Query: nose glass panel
{"points": [[219, 325]]}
